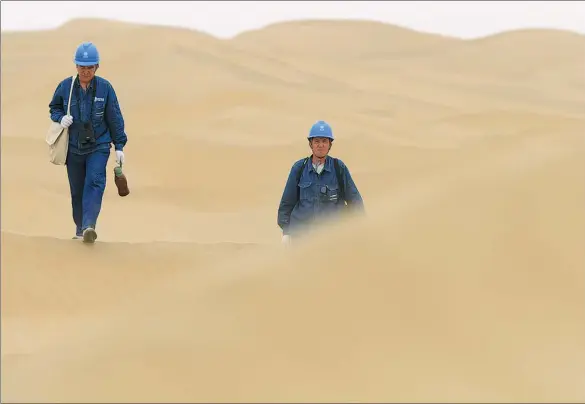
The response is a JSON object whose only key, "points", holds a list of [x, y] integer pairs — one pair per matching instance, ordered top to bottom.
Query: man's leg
{"points": [[76, 175], [95, 185]]}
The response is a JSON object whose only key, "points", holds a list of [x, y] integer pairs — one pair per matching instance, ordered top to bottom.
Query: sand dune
{"points": [[338, 41], [464, 282]]}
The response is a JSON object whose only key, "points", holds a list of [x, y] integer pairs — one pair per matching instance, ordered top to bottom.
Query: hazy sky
{"points": [[224, 19]]}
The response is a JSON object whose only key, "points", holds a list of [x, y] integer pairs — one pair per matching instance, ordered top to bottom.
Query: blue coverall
{"points": [[86, 163], [317, 196]]}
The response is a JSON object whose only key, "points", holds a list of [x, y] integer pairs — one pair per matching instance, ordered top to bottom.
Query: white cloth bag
{"points": [[58, 137]]}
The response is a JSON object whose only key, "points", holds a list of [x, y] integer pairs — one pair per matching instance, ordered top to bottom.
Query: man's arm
{"points": [[56, 110], [115, 120], [352, 195], [289, 199]]}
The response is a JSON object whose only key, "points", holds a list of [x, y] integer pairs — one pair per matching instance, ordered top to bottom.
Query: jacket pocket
{"points": [[73, 104], [98, 114], [305, 191], [332, 194]]}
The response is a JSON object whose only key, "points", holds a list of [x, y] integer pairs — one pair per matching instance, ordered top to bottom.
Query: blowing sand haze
{"points": [[465, 280]]}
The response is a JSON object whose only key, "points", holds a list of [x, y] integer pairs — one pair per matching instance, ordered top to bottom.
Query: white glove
{"points": [[66, 121], [119, 157], [286, 239]]}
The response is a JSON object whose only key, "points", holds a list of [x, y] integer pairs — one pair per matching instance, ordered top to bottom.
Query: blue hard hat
{"points": [[87, 55], [321, 129]]}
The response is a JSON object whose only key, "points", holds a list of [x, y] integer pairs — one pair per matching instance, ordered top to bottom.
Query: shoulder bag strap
{"points": [[70, 92]]}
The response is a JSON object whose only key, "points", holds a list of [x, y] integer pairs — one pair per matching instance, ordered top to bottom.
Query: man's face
{"points": [[86, 73], [320, 146]]}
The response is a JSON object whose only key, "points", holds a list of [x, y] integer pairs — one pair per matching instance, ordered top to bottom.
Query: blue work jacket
{"points": [[97, 104], [315, 196]]}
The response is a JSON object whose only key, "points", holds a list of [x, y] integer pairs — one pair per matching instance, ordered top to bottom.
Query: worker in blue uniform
{"points": [[95, 124], [318, 187]]}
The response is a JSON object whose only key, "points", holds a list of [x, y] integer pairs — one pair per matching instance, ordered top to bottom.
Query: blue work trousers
{"points": [[87, 182]]}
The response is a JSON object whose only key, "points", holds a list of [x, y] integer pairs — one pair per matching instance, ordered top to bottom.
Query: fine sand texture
{"points": [[464, 281]]}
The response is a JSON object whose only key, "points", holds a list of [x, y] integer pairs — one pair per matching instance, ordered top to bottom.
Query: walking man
{"points": [[95, 124], [317, 187]]}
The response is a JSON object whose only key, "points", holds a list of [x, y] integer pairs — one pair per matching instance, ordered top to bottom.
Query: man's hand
{"points": [[66, 121], [119, 157]]}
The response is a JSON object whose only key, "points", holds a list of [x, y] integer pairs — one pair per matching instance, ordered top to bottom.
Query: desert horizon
{"points": [[465, 280]]}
